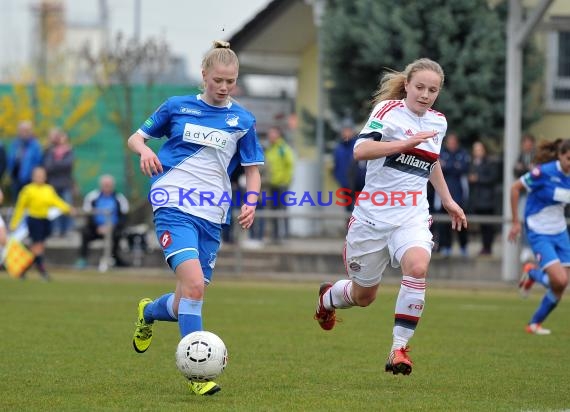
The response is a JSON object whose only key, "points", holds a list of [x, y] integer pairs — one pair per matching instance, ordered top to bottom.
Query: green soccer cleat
{"points": [[143, 331], [204, 388]]}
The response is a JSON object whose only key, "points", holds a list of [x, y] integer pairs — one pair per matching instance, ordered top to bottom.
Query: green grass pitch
{"points": [[66, 346]]}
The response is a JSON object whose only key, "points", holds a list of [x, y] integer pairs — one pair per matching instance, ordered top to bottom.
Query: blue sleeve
{"points": [[158, 124], [249, 150], [534, 179]]}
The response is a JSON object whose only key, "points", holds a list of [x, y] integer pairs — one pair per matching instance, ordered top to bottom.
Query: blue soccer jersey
{"points": [[205, 144], [549, 192]]}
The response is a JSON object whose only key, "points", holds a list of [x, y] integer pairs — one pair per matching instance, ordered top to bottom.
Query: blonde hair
{"points": [[220, 53], [392, 85]]}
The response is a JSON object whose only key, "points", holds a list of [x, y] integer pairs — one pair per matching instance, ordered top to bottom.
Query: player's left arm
{"points": [[253, 186], [458, 219]]}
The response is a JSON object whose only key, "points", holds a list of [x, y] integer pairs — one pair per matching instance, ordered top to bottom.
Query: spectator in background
{"points": [[24, 154], [344, 159], [3, 161], [525, 161], [58, 162], [454, 162], [280, 163], [483, 178], [33, 204], [107, 211], [3, 229]]}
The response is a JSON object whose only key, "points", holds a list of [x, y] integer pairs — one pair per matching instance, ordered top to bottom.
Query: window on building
{"points": [[558, 74]]}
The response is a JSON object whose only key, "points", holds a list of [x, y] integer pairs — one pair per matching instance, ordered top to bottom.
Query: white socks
{"points": [[339, 296], [409, 308]]}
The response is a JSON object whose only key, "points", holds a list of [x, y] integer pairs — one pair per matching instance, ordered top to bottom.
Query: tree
{"points": [[364, 38], [115, 70], [48, 106]]}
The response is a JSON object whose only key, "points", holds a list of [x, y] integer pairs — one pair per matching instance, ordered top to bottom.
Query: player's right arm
{"points": [[376, 140], [373, 149], [149, 163], [515, 197]]}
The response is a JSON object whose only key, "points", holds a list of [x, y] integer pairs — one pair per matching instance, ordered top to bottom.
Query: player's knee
{"points": [[417, 270], [558, 285], [192, 290], [365, 299]]}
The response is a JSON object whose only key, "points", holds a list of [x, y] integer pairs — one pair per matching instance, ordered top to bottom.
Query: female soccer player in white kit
{"points": [[390, 223]]}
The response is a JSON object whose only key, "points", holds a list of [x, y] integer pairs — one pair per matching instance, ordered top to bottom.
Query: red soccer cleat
{"points": [[526, 282], [325, 317], [399, 362]]}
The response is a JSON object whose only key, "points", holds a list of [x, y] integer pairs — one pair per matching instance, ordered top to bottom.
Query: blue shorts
{"points": [[38, 229], [183, 237], [550, 248]]}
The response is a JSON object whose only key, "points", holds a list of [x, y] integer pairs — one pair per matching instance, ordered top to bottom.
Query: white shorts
{"points": [[368, 249]]}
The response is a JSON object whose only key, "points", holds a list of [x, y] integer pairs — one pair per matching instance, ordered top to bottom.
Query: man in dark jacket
{"points": [[454, 162], [348, 173]]}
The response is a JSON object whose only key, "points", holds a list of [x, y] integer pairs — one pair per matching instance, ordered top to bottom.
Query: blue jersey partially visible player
{"points": [[208, 135], [548, 186]]}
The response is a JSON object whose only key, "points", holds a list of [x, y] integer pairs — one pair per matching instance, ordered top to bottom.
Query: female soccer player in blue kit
{"points": [[207, 136], [548, 186]]}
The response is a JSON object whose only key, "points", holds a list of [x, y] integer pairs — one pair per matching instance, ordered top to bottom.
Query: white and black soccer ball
{"points": [[201, 356]]}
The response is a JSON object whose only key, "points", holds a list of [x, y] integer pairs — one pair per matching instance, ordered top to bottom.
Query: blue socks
{"points": [[539, 276], [547, 305], [160, 309], [189, 313], [189, 316]]}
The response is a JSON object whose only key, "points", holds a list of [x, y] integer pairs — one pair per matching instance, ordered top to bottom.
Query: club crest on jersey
{"points": [[232, 120], [535, 172], [165, 239], [355, 266]]}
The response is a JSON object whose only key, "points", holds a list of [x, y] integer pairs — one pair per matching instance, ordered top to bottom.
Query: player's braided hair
{"points": [[393, 82]]}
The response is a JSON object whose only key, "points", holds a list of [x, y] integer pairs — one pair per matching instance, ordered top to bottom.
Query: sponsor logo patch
{"points": [[194, 112], [376, 125], [205, 136]]}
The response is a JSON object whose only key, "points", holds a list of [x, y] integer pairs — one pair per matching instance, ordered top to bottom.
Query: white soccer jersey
{"points": [[205, 144], [397, 183]]}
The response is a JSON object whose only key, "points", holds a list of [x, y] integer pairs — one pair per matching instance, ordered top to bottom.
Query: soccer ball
{"points": [[201, 356]]}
